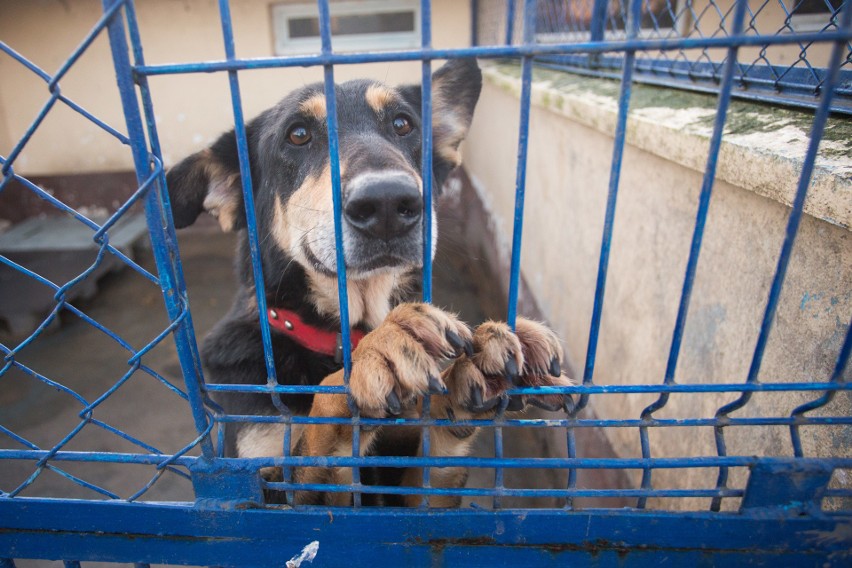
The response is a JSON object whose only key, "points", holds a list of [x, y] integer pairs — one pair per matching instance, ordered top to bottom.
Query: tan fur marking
{"points": [[379, 97], [314, 106], [450, 129], [224, 196], [307, 213]]}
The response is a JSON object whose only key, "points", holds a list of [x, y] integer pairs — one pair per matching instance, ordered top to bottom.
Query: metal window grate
{"points": [[782, 498]]}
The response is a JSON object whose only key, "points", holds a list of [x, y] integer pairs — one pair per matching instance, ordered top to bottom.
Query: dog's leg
{"points": [[391, 368]]}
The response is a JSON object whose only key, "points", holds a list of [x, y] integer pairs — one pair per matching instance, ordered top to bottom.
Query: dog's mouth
{"points": [[368, 258]]}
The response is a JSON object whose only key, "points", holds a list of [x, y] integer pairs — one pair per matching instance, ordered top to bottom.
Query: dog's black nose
{"points": [[384, 208]]}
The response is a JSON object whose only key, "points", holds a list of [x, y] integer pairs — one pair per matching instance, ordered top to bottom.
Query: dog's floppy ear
{"points": [[455, 91], [210, 181]]}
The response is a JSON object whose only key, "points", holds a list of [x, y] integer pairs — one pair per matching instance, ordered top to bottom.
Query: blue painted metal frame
{"points": [[780, 520]]}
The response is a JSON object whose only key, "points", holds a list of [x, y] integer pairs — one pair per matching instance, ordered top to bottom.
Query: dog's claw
{"points": [[455, 341], [468, 348], [555, 367], [512, 370], [436, 386], [475, 397], [516, 402], [542, 403], [477, 404], [568, 404], [394, 406]]}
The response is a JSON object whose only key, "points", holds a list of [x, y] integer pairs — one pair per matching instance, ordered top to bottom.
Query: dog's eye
{"points": [[402, 125], [299, 135]]}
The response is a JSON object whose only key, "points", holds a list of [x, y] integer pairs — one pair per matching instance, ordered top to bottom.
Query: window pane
{"points": [[384, 22]]}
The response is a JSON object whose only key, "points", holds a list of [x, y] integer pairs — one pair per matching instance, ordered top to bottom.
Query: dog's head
{"points": [[380, 165]]}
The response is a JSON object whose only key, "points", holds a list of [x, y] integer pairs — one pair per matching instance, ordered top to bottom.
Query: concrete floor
{"points": [[87, 361]]}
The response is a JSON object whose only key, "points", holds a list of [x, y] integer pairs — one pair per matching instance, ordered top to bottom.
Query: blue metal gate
{"points": [[782, 518]]}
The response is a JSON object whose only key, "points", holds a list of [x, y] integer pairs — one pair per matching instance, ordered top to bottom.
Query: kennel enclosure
{"points": [[785, 508]]}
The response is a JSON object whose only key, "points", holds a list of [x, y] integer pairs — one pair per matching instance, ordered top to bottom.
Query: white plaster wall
{"points": [[191, 110], [568, 172]]}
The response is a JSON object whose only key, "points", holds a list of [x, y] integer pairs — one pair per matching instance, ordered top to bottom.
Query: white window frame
{"points": [[285, 45]]}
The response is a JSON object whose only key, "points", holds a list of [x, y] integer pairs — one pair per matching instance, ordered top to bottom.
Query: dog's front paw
{"points": [[529, 357], [400, 360]]}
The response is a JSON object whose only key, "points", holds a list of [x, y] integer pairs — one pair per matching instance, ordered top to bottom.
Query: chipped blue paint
{"points": [[807, 298]]}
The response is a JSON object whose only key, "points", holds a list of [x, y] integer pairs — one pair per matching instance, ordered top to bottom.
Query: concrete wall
{"points": [[191, 109], [568, 169]]}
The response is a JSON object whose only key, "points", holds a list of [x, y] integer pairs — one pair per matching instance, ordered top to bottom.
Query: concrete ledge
{"points": [[763, 146]]}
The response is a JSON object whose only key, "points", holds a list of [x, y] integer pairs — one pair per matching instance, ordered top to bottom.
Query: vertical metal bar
{"points": [[510, 21], [474, 23], [597, 26], [154, 140], [426, 156], [521, 172], [426, 174], [520, 190], [609, 221], [793, 221], [251, 228], [697, 237], [165, 251], [342, 293], [836, 377]]}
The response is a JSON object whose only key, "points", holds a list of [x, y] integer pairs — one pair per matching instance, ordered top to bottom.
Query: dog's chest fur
{"points": [[369, 299]]}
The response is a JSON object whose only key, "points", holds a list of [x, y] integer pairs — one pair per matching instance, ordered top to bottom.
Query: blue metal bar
{"points": [[510, 21], [474, 23], [597, 26], [493, 52], [426, 175], [520, 178], [337, 198], [248, 200], [609, 217], [251, 220], [518, 229], [698, 232], [789, 240], [166, 255], [836, 377], [573, 389], [554, 423], [404, 462], [62, 472], [508, 492], [190, 535]]}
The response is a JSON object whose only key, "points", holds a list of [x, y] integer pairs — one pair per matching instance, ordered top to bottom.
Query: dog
{"points": [[404, 349]]}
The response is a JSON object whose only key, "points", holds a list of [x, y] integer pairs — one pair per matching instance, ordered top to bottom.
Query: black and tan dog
{"points": [[404, 347]]}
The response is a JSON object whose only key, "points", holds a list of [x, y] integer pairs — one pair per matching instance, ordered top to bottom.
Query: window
{"points": [[812, 15], [572, 20], [374, 24]]}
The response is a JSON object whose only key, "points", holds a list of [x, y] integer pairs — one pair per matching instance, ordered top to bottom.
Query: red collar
{"points": [[309, 336]]}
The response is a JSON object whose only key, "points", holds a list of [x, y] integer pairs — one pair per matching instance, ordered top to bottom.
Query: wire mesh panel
{"points": [[695, 34], [201, 503]]}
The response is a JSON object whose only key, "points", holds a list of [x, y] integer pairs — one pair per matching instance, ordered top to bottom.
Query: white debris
{"points": [[307, 555]]}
